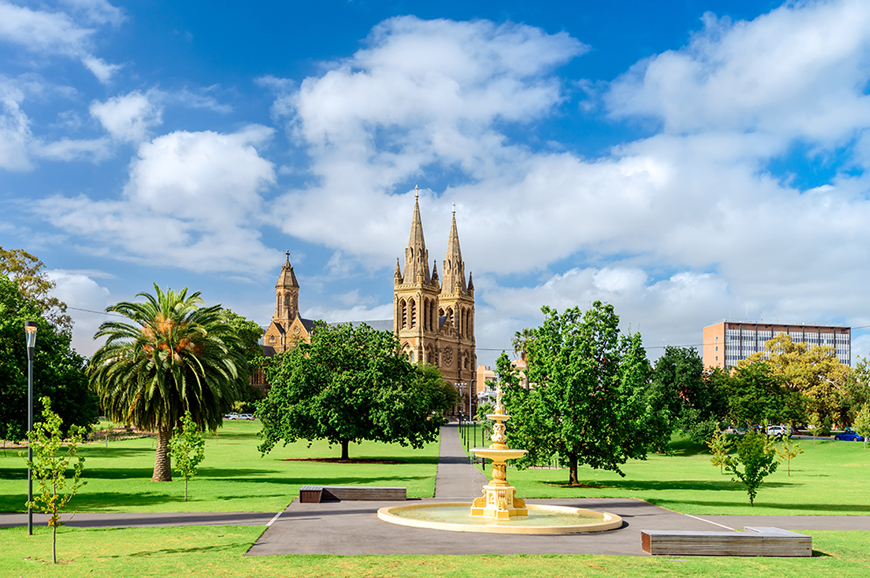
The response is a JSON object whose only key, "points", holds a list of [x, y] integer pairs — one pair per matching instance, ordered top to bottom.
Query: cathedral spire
{"points": [[416, 255], [454, 267], [287, 278]]}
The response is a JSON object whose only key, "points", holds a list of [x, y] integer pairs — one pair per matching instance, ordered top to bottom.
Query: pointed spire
{"points": [[416, 255], [454, 267], [435, 272], [398, 274], [287, 278], [470, 284]]}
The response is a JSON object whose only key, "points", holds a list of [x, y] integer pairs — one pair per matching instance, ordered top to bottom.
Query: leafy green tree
{"points": [[29, 275], [249, 334], [174, 356], [813, 370], [58, 371], [352, 384], [757, 394], [683, 398], [589, 404], [862, 423], [720, 447], [187, 448], [788, 452], [756, 453], [49, 468]]}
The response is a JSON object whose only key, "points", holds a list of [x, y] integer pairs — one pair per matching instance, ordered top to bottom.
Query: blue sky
{"points": [[686, 161]]}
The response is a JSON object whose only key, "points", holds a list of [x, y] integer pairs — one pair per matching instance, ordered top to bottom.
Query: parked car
{"points": [[232, 415], [246, 416], [779, 431], [849, 435]]}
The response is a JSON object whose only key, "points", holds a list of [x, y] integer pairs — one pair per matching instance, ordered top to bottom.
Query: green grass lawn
{"points": [[232, 478], [829, 478], [217, 552]]}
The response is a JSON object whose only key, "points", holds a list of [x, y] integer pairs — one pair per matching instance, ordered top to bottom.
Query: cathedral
{"points": [[433, 319]]}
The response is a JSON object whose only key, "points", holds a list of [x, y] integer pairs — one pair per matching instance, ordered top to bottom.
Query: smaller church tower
{"points": [[287, 293], [287, 327]]}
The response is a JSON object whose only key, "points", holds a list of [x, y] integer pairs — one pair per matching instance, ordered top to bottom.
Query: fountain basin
{"points": [[498, 455], [542, 519]]}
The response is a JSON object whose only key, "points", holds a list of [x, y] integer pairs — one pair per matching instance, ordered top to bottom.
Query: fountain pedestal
{"points": [[499, 498]]}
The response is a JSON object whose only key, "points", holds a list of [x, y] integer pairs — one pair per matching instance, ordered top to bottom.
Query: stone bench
{"points": [[317, 494], [755, 541]]}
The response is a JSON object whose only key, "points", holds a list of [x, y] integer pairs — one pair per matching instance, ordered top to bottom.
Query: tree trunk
{"points": [[344, 444], [162, 462], [572, 470], [185, 489], [54, 544]]}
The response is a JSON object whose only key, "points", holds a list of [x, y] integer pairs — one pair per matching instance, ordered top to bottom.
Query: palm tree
{"points": [[174, 356]]}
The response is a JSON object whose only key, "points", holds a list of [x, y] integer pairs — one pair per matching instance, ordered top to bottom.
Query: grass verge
{"points": [[217, 552]]}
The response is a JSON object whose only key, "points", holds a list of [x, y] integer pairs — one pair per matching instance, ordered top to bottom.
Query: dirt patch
{"points": [[341, 461]]}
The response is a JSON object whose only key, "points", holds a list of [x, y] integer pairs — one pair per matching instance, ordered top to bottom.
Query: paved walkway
{"points": [[455, 477], [145, 519]]}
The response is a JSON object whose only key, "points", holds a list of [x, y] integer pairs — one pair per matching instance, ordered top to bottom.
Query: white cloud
{"points": [[96, 11], [57, 33], [799, 71], [423, 94], [128, 117], [15, 134], [193, 201], [688, 224], [80, 292]]}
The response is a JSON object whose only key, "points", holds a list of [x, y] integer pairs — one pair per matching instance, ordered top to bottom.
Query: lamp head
{"points": [[30, 328]]}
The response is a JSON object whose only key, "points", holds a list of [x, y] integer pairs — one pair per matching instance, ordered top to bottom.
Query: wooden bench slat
{"points": [[317, 494], [756, 541]]}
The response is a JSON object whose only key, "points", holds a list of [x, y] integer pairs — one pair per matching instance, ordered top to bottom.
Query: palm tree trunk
{"points": [[162, 463]]}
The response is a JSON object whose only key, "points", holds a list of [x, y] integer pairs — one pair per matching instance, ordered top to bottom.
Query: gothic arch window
{"points": [[404, 307], [413, 314], [450, 316], [432, 319], [429, 355], [467, 359]]}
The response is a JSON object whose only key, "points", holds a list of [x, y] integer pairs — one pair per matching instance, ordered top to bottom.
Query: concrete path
{"points": [[455, 477]]}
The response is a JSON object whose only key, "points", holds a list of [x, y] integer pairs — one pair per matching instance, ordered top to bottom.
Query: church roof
{"points": [[376, 324]]}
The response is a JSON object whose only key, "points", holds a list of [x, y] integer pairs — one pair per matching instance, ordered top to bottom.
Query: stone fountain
{"points": [[499, 498], [499, 510]]}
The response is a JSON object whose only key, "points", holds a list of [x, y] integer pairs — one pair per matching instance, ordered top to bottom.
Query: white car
{"points": [[233, 415], [246, 416], [779, 431]]}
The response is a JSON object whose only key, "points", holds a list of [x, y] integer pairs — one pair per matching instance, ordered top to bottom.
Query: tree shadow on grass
{"points": [[687, 448], [113, 452], [322, 480], [657, 486], [94, 502], [230, 547]]}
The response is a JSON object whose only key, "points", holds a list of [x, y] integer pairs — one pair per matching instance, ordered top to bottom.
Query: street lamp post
{"points": [[30, 329]]}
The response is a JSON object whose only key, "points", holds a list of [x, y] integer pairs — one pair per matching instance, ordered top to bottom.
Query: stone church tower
{"points": [[435, 321], [287, 327]]}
